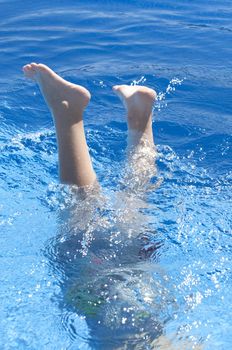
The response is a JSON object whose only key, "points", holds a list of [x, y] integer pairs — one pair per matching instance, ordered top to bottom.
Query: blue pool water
{"points": [[180, 296]]}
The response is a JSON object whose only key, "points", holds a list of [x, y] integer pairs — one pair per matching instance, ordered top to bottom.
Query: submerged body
{"points": [[109, 277]]}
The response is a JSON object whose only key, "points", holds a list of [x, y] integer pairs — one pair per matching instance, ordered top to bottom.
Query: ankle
{"points": [[140, 138]]}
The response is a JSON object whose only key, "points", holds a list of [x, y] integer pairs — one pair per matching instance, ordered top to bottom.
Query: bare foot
{"points": [[60, 95], [138, 101]]}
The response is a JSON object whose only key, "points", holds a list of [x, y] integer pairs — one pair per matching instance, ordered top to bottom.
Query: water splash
{"points": [[139, 81], [161, 97]]}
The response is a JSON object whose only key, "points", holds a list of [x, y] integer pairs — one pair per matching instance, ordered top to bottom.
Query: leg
{"points": [[138, 101], [66, 102]]}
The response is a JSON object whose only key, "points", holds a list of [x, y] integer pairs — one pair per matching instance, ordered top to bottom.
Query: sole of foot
{"points": [[57, 92], [139, 96], [138, 101]]}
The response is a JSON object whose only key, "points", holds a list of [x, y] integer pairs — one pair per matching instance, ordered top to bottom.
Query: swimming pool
{"points": [[181, 49]]}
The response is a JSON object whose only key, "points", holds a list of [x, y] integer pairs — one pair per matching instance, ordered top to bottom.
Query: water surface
{"points": [[182, 50]]}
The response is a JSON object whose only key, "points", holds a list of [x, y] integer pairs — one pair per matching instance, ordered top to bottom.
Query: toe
{"points": [[34, 65], [26, 68], [30, 70]]}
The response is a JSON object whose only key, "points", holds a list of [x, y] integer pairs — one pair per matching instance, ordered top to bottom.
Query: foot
{"points": [[61, 96], [138, 101]]}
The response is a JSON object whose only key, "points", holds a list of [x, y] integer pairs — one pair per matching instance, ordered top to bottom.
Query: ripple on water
{"points": [[181, 281]]}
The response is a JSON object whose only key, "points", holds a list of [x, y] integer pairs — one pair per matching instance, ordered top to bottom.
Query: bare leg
{"points": [[138, 101], [66, 102]]}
